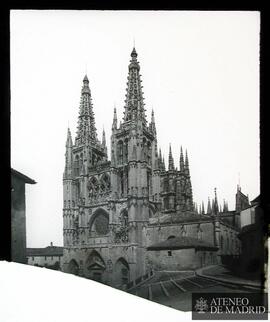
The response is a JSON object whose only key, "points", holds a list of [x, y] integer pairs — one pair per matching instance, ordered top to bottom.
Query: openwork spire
{"points": [[134, 105], [86, 130]]}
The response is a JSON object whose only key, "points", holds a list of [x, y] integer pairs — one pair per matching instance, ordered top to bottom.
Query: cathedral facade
{"points": [[130, 215]]}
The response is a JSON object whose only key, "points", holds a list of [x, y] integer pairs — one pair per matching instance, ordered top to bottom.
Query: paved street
{"points": [[175, 289]]}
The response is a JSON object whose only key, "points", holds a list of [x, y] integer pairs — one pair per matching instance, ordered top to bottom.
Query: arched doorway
{"points": [[95, 266], [73, 267], [122, 274]]}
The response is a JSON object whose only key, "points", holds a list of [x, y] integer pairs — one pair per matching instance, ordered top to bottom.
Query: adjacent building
{"points": [[18, 218], [253, 241], [49, 257]]}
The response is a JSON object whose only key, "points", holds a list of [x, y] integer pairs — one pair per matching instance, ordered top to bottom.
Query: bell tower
{"points": [[134, 156]]}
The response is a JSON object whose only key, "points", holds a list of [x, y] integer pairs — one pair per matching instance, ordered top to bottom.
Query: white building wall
{"points": [[247, 216]]}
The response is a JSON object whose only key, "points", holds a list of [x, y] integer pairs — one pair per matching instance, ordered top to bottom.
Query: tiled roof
{"points": [[22, 176], [182, 243], [47, 251]]}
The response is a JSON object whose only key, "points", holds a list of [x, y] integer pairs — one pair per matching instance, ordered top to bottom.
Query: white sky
{"points": [[200, 73]]}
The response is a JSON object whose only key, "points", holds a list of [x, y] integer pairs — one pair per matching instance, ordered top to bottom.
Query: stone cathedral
{"points": [[127, 216]]}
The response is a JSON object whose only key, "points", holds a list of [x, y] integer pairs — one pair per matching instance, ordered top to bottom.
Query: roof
{"points": [[22, 176], [256, 200], [182, 218], [182, 243], [46, 251]]}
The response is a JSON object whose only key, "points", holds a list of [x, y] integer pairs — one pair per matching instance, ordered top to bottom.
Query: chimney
{"points": [[51, 244]]}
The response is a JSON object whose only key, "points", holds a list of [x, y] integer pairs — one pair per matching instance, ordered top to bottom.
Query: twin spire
{"points": [[134, 111]]}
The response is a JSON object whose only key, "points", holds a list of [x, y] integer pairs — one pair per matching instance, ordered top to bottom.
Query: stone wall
{"points": [[204, 230], [229, 241], [109, 257], [182, 259]]}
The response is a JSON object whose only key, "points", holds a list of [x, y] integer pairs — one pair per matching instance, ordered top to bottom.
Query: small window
{"points": [[169, 253], [51, 257], [33, 258], [45, 258]]}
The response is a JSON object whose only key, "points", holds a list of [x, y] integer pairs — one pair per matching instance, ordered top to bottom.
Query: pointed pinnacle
{"points": [[85, 88], [153, 117], [103, 137], [69, 138], [160, 154], [181, 159], [186, 159], [171, 163], [202, 207], [209, 209]]}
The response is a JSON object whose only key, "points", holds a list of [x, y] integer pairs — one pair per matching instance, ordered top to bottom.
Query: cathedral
{"points": [[126, 217]]}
